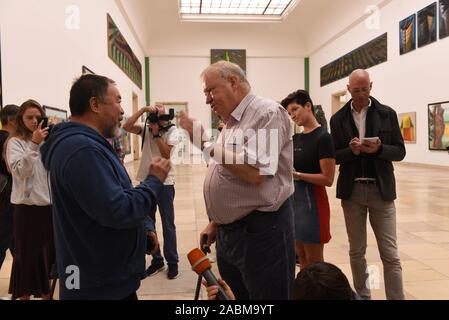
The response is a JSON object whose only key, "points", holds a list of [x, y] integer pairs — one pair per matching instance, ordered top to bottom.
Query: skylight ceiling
{"points": [[234, 9]]}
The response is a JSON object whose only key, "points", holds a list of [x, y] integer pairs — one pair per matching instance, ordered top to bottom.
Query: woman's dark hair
{"points": [[85, 88], [300, 97], [22, 131], [322, 281]]}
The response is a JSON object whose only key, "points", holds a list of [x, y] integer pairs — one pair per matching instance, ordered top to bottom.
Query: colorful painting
{"points": [[444, 18], [427, 25], [407, 34], [120, 52], [237, 56], [364, 57], [55, 115], [407, 123], [439, 126]]}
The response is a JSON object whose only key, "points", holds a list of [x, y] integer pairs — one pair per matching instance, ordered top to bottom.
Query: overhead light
{"points": [[235, 10]]}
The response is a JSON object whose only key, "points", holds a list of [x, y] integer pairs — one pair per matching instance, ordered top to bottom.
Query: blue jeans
{"points": [[167, 211], [6, 212], [256, 255]]}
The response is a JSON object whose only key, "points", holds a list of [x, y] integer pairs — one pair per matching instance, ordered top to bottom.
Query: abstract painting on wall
{"points": [[444, 18], [427, 25], [407, 34], [121, 53], [370, 54], [237, 56], [407, 123], [438, 126]]}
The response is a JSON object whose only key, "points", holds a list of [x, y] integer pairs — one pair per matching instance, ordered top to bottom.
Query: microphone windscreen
{"points": [[198, 261]]}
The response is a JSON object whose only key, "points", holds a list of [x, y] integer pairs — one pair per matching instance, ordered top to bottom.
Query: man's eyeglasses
{"points": [[364, 90]]}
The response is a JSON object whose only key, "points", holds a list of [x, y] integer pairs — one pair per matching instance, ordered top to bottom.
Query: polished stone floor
{"points": [[423, 235]]}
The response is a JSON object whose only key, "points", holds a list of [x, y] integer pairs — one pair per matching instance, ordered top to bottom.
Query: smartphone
{"points": [[44, 122], [370, 139]]}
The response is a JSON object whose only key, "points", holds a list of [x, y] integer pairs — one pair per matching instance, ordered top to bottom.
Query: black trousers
{"points": [[256, 255]]}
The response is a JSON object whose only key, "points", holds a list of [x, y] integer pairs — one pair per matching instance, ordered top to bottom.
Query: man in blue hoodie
{"points": [[98, 216]]}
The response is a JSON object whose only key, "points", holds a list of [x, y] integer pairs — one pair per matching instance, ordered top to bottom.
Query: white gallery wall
{"points": [[43, 50], [177, 79], [408, 83]]}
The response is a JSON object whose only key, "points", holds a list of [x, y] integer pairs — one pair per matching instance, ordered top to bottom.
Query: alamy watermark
{"points": [[72, 17], [373, 20], [259, 147], [374, 277], [72, 282]]}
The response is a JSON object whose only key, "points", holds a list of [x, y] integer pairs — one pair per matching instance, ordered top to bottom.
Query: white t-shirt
{"points": [[151, 150], [30, 185]]}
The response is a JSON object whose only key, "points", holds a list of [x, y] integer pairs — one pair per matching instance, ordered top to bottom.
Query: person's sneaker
{"points": [[154, 268], [172, 271]]}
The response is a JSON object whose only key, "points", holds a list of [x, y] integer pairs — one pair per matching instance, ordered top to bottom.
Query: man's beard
{"points": [[113, 132]]}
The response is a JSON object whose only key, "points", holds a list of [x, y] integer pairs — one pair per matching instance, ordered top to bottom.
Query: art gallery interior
{"points": [[311, 44]]}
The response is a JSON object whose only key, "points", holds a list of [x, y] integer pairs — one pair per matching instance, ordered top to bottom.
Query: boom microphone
{"points": [[201, 265]]}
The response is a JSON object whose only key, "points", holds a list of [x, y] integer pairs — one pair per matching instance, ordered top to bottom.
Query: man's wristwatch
{"points": [[155, 136]]}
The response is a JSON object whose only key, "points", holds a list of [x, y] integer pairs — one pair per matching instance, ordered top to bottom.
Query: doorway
{"points": [[339, 99]]}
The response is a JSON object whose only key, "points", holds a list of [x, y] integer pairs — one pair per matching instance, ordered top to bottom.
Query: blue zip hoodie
{"points": [[97, 214]]}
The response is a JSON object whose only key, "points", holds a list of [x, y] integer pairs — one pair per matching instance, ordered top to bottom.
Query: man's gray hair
{"points": [[226, 69]]}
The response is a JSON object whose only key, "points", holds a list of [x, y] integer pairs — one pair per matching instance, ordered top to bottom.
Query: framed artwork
{"points": [[444, 18], [427, 25], [407, 34], [121, 53], [370, 54], [237, 56], [86, 70], [55, 115], [438, 115], [320, 116], [407, 123]]}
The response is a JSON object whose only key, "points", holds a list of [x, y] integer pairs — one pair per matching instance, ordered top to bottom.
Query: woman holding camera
{"points": [[314, 169], [33, 233]]}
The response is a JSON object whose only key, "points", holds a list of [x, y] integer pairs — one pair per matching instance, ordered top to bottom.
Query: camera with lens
{"points": [[154, 117]]}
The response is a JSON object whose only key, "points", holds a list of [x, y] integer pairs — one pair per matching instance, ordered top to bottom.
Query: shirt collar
{"points": [[369, 105], [237, 114]]}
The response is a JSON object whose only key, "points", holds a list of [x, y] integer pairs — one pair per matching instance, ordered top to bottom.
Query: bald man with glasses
{"points": [[367, 140]]}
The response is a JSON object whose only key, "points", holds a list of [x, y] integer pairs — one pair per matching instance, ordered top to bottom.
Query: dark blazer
{"points": [[382, 122]]}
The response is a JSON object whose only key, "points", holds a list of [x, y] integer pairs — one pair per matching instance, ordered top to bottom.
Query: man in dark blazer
{"points": [[367, 139]]}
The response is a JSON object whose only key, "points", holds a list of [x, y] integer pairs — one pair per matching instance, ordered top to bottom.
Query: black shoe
{"points": [[154, 268], [172, 271]]}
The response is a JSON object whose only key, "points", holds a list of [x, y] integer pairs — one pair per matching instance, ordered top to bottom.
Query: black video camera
{"points": [[154, 117]]}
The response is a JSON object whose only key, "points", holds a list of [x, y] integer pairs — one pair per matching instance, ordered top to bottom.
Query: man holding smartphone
{"points": [[367, 139]]}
